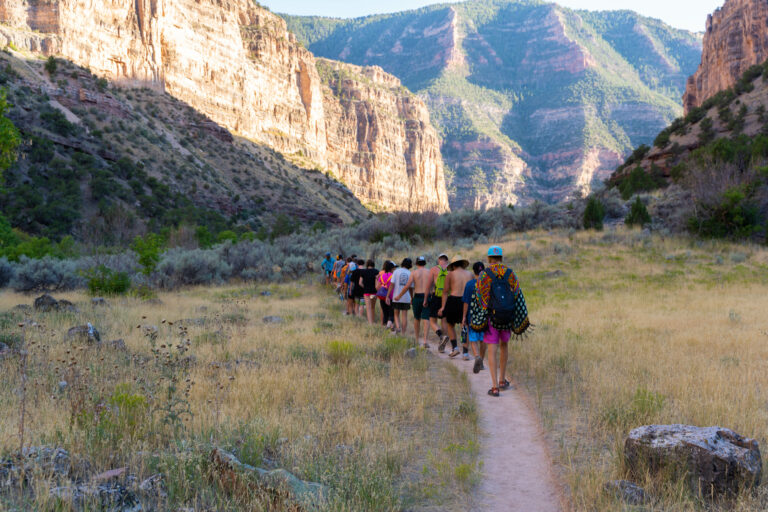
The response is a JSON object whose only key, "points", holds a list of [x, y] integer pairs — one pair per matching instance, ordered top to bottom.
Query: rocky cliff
{"points": [[736, 38], [238, 64], [531, 100]]}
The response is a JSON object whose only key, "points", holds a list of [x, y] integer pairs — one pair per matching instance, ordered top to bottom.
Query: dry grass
{"points": [[640, 330], [325, 397]]}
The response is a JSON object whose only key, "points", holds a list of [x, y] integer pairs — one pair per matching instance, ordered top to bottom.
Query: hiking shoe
{"points": [[443, 342], [454, 353], [466, 357], [478, 365]]}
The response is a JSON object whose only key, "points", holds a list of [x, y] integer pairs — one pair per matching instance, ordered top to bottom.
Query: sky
{"points": [[686, 14]]}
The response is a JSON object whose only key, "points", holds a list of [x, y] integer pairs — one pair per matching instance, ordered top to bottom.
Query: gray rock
{"points": [[99, 302], [45, 303], [65, 305], [23, 308], [273, 320], [84, 334], [114, 345], [4, 348], [410, 353], [63, 386], [715, 461], [239, 478], [153, 487], [628, 492], [109, 496]]}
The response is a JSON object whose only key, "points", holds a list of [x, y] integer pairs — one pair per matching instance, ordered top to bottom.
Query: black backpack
{"points": [[502, 300]]}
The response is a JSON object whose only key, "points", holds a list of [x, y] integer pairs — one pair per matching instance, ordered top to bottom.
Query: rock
{"points": [[554, 274], [99, 302], [45, 303], [65, 305], [23, 308], [273, 320], [83, 333], [114, 345], [4, 348], [410, 353], [62, 386], [48, 461], [716, 461], [153, 487], [290, 492], [628, 492], [110, 496]]}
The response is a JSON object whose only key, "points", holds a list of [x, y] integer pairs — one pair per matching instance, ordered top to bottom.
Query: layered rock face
{"points": [[736, 38], [238, 64], [533, 101]]}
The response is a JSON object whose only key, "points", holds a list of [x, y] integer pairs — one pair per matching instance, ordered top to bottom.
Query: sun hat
{"points": [[495, 250], [458, 261]]}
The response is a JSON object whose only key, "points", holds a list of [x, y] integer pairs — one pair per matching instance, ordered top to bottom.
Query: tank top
{"points": [[440, 282]]}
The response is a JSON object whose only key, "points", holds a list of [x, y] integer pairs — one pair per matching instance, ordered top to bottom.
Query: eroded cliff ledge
{"points": [[238, 64]]}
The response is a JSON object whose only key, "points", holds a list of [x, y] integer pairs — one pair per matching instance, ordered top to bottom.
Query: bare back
{"points": [[459, 279], [422, 280]]}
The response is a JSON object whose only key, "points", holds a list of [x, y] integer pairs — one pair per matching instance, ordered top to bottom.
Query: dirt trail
{"points": [[517, 470]]}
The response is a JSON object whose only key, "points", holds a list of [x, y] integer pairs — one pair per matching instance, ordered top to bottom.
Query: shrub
{"points": [[51, 65], [638, 180], [594, 214], [638, 214], [735, 216], [149, 248], [199, 266], [6, 272], [46, 274], [102, 280], [392, 346], [342, 352]]}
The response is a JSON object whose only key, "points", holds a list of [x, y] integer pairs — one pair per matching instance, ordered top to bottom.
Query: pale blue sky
{"points": [[687, 14]]}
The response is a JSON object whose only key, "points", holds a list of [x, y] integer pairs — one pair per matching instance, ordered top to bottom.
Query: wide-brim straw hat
{"points": [[458, 261]]}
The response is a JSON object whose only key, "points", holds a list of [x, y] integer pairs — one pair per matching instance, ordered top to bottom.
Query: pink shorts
{"points": [[492, 337]]}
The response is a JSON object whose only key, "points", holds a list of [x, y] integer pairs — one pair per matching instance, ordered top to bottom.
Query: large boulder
{"points": [[46, 303], [83, 334], [716, 461], [290, 493]]}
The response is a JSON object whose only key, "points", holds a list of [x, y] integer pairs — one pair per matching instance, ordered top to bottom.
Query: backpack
{"points": [[440, 282], [501, 305]]}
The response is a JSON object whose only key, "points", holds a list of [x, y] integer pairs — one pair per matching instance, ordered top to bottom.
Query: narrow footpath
{"points": [[517, 470]]}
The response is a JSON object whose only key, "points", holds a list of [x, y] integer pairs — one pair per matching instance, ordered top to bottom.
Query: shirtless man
{"points": [[437, 275], [420, 282], [452, 309]]}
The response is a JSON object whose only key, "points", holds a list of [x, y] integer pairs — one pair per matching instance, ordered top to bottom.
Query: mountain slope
{"points": [[236, 63], [533, 101]]}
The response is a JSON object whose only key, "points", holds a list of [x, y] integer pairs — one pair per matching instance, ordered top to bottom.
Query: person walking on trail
{"points": [[337, 265], [327, 267], [437, 274], [367, 283], [419, 284], [383, 287], [399, 288], [353, 289], [452, 308], [499, 309], [474, 337]]}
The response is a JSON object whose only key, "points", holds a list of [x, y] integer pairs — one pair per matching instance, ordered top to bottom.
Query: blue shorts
{"points": [[476, 336]]}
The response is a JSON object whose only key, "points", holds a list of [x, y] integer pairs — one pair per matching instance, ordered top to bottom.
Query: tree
{"points": [[51, 65], [9, 136], [594, 214], [638, 214], [149, 248]]}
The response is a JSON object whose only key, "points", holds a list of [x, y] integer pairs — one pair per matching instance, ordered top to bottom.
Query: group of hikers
{"points": [[481, 308]]}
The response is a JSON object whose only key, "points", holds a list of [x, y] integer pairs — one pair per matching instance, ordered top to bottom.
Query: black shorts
{"points": [[435, 305], [401, 306], [454, 310]]}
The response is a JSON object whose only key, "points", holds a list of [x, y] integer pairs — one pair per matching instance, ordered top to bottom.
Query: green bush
{"points": [[51, 65], [638, 180], [594, 214], [638, 214], [736, 216], [149, 248], [105, 281], [392, 346], [342, 352]]}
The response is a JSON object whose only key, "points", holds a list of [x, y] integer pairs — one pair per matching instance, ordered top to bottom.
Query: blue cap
{"points": [[495, 251], [327, 255]]}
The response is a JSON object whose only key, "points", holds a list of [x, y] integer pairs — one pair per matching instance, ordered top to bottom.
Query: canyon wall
{"points": [[736, 38], [238, 64]]}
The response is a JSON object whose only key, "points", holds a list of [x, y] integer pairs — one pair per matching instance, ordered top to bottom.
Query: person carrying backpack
{"points": [[498, 309]]}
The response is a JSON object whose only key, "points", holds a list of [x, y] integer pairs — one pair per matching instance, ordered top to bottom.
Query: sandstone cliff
{"points": [[736, 38], [238, 64]]}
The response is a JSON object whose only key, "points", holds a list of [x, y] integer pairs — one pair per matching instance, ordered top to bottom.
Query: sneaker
{"points": [[443, 342], [454, 353], [466, 357], [478, 365]]}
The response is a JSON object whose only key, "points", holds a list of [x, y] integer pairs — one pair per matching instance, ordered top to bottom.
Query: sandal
{"points": [[505, 384], [493, 391]]}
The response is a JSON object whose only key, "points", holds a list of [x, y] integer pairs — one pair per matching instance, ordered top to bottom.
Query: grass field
{"points": [[325, 397]]}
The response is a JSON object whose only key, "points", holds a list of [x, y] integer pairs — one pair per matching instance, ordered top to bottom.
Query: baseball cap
{"points": [[495, 250], [327, 255], [444, 256], [421, 259]]}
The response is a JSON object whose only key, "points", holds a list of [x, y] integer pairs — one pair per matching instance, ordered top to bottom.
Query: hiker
{"points": [[327, 266], [337, 271], [437, 276], [367, 281], [419, 283], [383, 287], [351, 292], [400, 307], [452, 308], [498, 309], [473, 337]]}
